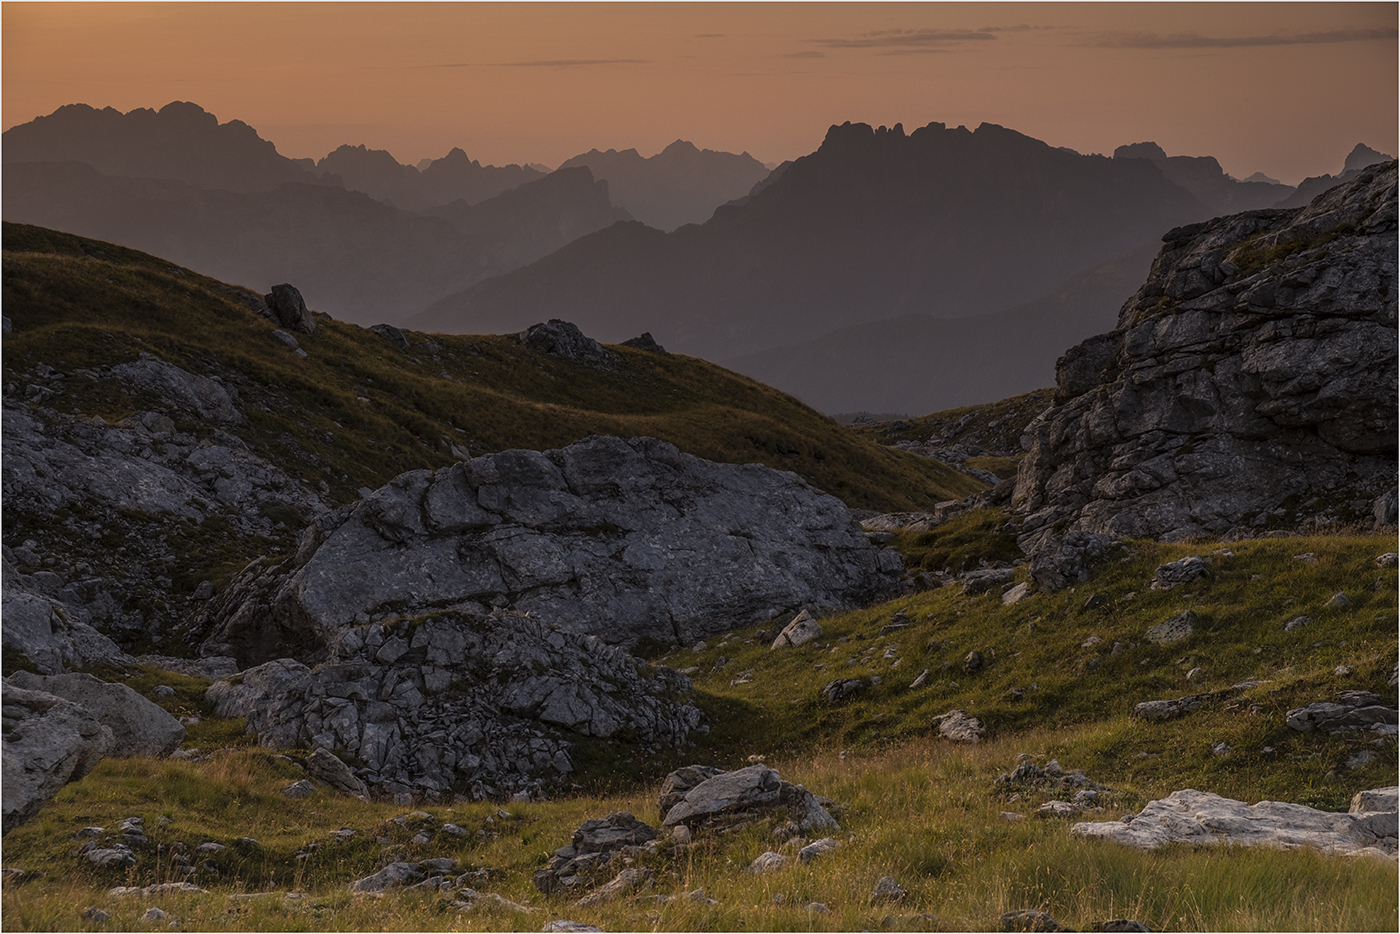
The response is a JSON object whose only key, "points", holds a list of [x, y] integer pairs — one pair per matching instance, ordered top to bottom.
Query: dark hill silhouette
{"points": [[180, 141], [1359, 158], [452, 178], [1204, 178], [682, 184], [873, 225], [350, 255], [920, 364]]}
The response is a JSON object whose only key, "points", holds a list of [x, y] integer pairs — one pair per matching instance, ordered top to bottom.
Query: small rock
{"points": [[1387, 560], [1016, 594], [1337, 602], [1297, 622], [1174, 629], [972, 661], [1194, 673], [920, 681], [163, 690], [301, 789], [1058, 809], [1012, 816], [817, 848], [767, 862], [887, 890], [817, 908], [154, 914], [96, 915], [1029, 919], [1123, 926], [574, 927]]}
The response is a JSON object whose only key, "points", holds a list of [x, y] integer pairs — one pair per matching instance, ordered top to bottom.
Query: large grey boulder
{"points": [[288, 308], [563, 339], [1239, 389], [206, 398], [620, 539], [454, 700], [139, 727], [47, 742], [734, 797], [1199, 817], [597, 845]]}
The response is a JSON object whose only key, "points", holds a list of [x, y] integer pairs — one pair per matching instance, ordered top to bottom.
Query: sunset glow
{"points": [[1286, 89]]}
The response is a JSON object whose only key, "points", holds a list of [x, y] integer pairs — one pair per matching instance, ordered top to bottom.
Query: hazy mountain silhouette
{"points": [[180, 141], [1359, 158], [1204, 178], [441, 181], [679, 185], [537, 218], [874, 225], [350, 255], [919, 364]]}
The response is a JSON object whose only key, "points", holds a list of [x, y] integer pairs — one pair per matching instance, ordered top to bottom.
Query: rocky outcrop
{"points": [[288, 308], [562, 339], [1240, 389], [98, 515], [620, 539], [453, 702], [139, 727], [48, 741], [1198, 817], [596, 846]]}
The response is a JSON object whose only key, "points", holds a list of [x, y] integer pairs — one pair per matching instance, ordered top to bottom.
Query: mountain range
{"points": [[968, 256]]}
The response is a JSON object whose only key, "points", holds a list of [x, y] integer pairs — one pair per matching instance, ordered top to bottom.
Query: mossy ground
{"points": [[923, 810]]}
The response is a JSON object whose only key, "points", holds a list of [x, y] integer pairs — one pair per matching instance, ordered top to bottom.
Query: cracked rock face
{"points": [[1250, 382], [619, 539], [459, 702], [48, 742]]}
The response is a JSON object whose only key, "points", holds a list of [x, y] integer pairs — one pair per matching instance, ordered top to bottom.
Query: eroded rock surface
{"points": [[1239, 390], [619, 539], [460, 702], [139, 727], [48, 742], [1191, 816]]}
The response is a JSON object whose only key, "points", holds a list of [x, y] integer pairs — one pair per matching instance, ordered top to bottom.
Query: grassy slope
{"points": [[81, 303], [915, 807]]}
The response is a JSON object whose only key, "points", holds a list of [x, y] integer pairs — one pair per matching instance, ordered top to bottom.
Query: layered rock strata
{"points": [[1250, 383], [624, 540], [460, 703]]}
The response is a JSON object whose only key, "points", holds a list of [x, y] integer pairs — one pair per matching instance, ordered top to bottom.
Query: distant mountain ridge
{"points": [[180, 141], [1360, 157], [454, 177], [1204, 178], [682, 184], [872, 226], [352, 256]]}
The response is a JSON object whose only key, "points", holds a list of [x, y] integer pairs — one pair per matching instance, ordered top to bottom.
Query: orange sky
{"points": [[1286, 89]]}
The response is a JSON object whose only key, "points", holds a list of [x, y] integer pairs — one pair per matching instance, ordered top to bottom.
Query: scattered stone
{"points": [[391, 334], [564, 340], [646, 342], [1387, 560], [1180, 572], [984, 579], [1336, 602], [1297, 622], [803, 629], [1174, 629], [972, 661], [1194, 673], [920, 681], [163, 690], [834, 692], [1358, 710], [958, 726], [1221, 749], [326, 766], [301, 789], [732, 798], [1058, 809], [1012, 816], [1198, 817], [817, 848], [107, 857], [767, 863], [394, 875], [625, 881], [887, 890], [95, 915], [153, 915], [1029, 919], [1123, 926], [573, 927]]}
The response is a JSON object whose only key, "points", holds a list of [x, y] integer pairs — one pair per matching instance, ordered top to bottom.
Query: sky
{"points": [[1286, 89]]}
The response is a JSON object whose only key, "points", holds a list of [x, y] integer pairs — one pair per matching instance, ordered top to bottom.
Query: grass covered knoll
{"points": [[358, 410], [922, 810]]}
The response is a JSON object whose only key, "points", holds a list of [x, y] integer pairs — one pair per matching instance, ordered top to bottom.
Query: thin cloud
{"points": [[906, 38], [1191, 40], [810, 53]]}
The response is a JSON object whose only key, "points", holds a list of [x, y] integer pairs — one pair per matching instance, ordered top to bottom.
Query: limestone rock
{"points": [[288, 308], [391, 334], [562, 339], [645, 342], [1237, 390], [196, 395], [620, 539], [1180, 572], [803, 629], [1174, 629], [44, 631], [519, 687], [834, 692], [1166, 709], [1340, 717], [139, 727], [959, 727], [48, 741], [326, 766], [678, 783], [728, 798], [1375, 799], [1197, 817], [596, 846], [816, 848], [766, 863], [394, 875], [625, 881], [887, 890]]}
